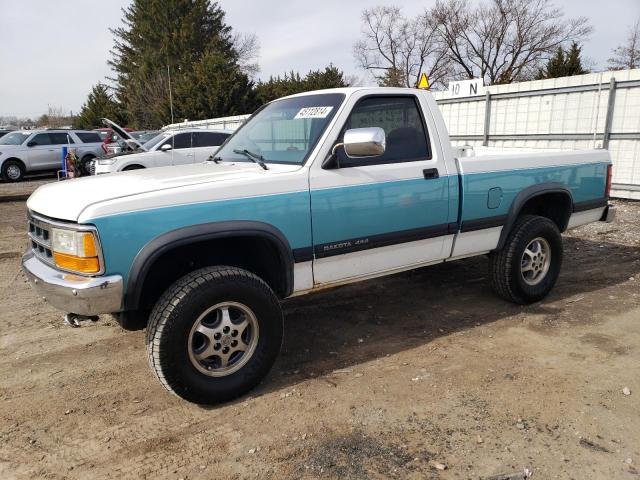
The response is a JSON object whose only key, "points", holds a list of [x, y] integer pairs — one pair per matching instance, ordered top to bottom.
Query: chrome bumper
{"points": [[609, 214], [74, 293]]}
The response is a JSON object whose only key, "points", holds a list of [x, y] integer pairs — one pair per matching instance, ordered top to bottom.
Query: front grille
{"points": [[40, 238]]}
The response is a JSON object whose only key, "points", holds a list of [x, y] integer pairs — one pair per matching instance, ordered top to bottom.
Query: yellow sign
{"points": [[423, 82]]}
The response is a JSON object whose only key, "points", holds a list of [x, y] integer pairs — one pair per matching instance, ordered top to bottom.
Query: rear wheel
{"points": [[86, 164], [132, 167], [12, 171], [527, 267], [214, 334]]}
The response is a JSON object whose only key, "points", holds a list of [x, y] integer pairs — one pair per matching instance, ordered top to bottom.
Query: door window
{"points": [[401, 120], [89, 137], [60, 138], [41, 139], [209, 139], [182, 140]]}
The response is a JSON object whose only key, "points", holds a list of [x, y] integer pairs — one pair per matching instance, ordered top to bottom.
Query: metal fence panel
{"points": [[597, 110]]}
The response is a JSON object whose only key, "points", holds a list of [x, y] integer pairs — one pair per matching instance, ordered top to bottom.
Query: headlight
{"points": [[106, 161], [77, 251]]}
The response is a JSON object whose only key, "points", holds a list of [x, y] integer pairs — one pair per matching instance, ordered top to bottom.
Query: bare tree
{"points": [[503, 41], [247, 46], [397, 50], [627, 55], [56, 118]]}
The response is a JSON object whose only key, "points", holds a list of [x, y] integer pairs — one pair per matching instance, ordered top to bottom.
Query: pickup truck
{"points": [[314, 190]]}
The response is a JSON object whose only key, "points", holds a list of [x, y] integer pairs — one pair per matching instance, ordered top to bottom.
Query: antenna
{"points": [[170, 96]]}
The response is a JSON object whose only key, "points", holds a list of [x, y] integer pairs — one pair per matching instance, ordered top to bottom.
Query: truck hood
{"points": [[67, 199]]}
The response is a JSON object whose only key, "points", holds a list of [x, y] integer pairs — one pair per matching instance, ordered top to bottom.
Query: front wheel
{"points": [[527, 267], [214, 334]]}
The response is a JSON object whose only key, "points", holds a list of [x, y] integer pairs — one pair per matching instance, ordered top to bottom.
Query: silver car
{"points": [[28, 151]]}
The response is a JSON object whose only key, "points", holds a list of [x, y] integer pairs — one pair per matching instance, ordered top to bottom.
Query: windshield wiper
{"points": [[254, 157]]}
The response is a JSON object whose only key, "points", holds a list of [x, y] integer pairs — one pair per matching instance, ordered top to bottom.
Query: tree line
{"points": [[500, 41], [179, 59]]}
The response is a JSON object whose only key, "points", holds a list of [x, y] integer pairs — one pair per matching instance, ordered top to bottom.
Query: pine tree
{"points": [[161, 38], [564, 63], [573, 64], [331, 77], [393, 77], [292, 83], [215, 87], [99, 104]]}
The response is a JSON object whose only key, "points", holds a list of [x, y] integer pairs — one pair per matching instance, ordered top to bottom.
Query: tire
{"points": [[86, 165], [132, 167], [12, 171], [525, 277], [182, 357]]}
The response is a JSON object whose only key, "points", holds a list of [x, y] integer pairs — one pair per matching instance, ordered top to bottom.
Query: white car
{"points": [[171, 147]]}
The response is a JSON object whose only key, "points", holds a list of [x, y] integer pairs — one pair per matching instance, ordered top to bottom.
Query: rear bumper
{"points": [[609, 214], [74, 293]]}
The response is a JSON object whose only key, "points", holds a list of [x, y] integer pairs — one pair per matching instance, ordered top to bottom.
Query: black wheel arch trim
{"points": [[527, 194], [196, 233]]}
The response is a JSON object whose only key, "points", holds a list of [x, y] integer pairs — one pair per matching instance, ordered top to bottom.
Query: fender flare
{"points": [[524, 196], [196, 233]]}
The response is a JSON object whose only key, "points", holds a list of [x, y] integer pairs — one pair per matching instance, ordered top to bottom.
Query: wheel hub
{"points": [[13, 172], [536, 260], [223, 339]]}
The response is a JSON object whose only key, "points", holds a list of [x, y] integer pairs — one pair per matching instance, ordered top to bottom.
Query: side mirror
{"points": [[364, 142], [358, 143], [31, 144], [166, 147]]}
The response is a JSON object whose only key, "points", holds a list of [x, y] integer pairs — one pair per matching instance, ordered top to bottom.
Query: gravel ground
{"points": [[21, 190], [397, 377]]}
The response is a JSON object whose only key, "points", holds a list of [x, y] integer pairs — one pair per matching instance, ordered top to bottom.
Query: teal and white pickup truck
{"points": [[314, 190]]}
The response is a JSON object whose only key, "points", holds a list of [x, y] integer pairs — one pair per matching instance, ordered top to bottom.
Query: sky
{"points": [[52, 52]]}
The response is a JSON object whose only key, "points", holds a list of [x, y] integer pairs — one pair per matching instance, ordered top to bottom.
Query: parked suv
{"points": [[171, 147], [24, 152]]}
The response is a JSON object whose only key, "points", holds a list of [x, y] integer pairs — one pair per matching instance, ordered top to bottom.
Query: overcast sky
{"points": [[52, 52]]}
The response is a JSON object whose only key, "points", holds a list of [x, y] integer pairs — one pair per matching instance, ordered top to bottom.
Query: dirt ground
{"points": [[382, 379]]}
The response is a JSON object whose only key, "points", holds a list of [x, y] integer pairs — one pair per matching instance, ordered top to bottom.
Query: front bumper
{"points": [[100, 169], [609, 214], [74, 293]]}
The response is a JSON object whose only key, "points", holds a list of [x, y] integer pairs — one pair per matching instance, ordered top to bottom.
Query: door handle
{"points": [[430, 173]]}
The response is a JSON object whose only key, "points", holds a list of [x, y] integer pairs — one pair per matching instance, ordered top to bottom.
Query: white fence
{"points": [[597, 110]]}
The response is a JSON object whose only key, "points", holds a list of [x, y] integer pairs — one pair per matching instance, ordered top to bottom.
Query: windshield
{"points": [[284, 131], [14, 138], [156, 140]]}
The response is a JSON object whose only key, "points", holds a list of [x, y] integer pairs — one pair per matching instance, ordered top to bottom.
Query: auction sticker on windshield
{"points": [[313, 112]]}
